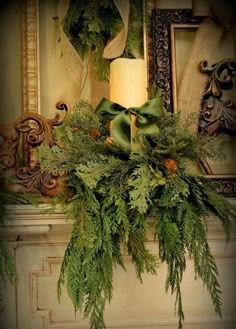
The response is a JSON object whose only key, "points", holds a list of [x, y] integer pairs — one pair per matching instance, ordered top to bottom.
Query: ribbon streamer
{"points": [[116, 46], [73, 62], [121, 128]]}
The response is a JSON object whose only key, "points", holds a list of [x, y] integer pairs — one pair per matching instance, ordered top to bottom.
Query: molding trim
{"points": [[30, 57], [46, 271], [157, 322]]}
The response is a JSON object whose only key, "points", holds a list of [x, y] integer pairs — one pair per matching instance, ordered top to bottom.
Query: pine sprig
{"points": [[93, 171], [139, 184], [143, 260]]}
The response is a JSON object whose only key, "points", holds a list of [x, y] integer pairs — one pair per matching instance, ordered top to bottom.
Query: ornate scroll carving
{"points": [[162, 20], [218, 114], [30, 131]]}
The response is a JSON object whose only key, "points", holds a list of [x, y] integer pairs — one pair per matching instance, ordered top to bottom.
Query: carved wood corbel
{"points": [[27, 133]]}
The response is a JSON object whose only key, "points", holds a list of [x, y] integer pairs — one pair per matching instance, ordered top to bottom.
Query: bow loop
{"points": [[146, 116]]}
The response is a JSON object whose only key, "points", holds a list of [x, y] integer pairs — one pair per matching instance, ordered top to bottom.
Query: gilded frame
{"points": [[30, 51]]}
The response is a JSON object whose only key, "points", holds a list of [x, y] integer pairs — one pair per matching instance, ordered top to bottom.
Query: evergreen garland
{"points": [[111, 194]]}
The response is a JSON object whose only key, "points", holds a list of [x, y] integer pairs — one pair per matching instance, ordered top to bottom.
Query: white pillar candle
{"points": [[128, 82]]}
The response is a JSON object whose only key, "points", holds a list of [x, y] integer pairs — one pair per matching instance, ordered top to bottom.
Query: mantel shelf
{"points": [[29, 219]]}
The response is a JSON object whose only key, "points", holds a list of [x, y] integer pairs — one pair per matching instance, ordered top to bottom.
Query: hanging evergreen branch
{"points": [[91, 25], [112, 193]]}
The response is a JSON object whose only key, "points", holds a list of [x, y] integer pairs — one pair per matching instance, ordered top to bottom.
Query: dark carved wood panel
{"points": [[161, 23], [217, 113]]}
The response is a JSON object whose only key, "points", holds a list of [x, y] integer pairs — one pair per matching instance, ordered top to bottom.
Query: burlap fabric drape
{"points": [[207, 44], [193, 82]]}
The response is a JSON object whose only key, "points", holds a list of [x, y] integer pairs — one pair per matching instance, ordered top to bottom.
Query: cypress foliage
{"points": [[114, 192]]}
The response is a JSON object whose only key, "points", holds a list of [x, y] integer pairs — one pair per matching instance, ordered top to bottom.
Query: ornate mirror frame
{"points": [[162, 19], [161, 73]]}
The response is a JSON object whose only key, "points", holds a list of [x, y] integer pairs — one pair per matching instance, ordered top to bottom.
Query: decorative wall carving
{"points": [[162, 20], [217, 114], [27, 133]]}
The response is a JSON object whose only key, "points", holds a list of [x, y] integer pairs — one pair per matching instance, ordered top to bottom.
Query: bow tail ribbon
{"points": [[123, 129]]}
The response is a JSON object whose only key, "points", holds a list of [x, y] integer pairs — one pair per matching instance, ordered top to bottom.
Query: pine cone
{"points": [[95, 134], [170, 164]]}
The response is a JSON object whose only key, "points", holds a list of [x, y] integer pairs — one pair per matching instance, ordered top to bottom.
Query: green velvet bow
{"points": [[146, 115]]}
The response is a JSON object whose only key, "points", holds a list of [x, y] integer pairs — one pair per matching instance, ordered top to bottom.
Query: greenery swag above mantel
{"points": [[91, 25], [111, 189]]}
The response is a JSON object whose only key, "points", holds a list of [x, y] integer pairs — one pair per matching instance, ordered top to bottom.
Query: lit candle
{"points": [[128, 82], [128, 86]]}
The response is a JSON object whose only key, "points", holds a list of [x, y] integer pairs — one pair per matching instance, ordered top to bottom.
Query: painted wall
{"points": [[10, 60]]}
